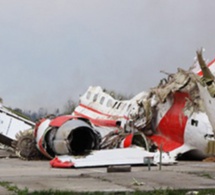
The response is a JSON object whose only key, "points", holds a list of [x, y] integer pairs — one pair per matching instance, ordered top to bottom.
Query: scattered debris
{"points": [[171, 119], [11, 123], [119, 168], [137, 183], [192, 193]]}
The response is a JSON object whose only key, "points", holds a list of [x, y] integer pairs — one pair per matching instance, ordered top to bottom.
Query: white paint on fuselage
{"points": [[209, 104], [198, 131]]}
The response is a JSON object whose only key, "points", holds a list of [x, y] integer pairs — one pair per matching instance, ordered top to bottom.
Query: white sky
{"points": [[52, 51]]}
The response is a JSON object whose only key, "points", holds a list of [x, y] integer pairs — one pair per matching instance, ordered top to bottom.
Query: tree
{"points": [[69, 107]]}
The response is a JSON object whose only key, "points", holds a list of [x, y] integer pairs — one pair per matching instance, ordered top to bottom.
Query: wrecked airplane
{"points": [[172, 121], [11, 124]]}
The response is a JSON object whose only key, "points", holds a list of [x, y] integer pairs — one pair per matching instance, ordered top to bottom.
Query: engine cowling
{"points": [[72, 137]]}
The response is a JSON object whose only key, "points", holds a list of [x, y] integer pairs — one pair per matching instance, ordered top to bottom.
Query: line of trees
{"points": [[43, 112]]}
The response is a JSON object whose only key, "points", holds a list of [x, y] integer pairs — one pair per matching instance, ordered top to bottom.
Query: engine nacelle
{"points": [[66, 135]]}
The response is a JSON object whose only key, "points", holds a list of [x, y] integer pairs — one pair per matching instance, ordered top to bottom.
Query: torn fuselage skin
{"points": [[206, 86], [170, 117], [181, 122]]}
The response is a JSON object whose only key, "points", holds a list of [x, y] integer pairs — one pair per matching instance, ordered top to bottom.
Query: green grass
{"points": [[202, 174], [206, 175], [12, 188], [16, 191]]}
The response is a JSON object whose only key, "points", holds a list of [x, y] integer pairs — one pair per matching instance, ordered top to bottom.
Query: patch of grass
{"points": [[202, 174], [206, 175], [12, 188], [17, 191], [154, 192]]}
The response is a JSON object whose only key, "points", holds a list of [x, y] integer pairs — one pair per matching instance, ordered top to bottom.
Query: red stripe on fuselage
{"points": [[58, 121], [97, 122], [172, 125]]}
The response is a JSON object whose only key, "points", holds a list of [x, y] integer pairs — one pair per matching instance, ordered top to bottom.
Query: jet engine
{"points": [[66, 135]]}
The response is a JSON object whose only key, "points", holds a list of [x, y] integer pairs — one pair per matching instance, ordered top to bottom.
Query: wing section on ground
{"points": [[118, 156]]}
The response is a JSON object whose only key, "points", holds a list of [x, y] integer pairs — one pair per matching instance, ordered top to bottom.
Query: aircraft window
{"points": [[88, 95], [95, 97], [102, 100], [109, 103], [115, 104], [118, 105], [194, 122], [209, 136]]}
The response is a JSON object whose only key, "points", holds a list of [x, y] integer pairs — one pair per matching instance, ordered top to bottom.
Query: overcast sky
{"points": [[52, 51]]}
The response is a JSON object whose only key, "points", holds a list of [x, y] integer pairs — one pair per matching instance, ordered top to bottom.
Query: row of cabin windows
{"points": [[109, 102]]}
